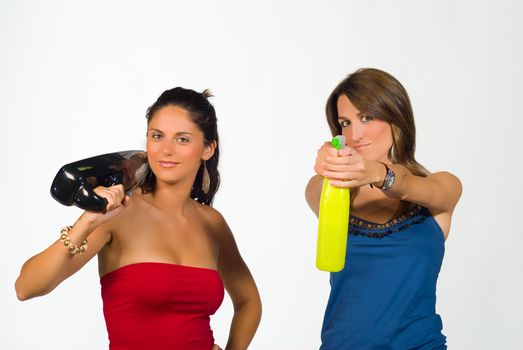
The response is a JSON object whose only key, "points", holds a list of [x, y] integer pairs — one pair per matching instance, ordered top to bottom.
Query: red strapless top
{"points": [[160, 306]]}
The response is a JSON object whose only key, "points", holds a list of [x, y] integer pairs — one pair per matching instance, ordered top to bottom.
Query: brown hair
{"points": [[379, 95]]}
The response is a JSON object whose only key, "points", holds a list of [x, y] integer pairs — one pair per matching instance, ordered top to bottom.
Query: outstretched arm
{"points": [[313, 189], [438, 192], [313, 193]]}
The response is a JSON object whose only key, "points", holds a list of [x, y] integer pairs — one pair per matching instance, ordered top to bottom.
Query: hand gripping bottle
{"points": [[333, 223]]}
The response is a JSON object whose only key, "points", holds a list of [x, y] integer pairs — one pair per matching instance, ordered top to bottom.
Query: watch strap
{"points": [[388, 181]]}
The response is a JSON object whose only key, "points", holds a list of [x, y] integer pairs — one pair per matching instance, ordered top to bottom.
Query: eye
{"points": [[365, 118], [344, 123], [156, 136], [182, 139]]}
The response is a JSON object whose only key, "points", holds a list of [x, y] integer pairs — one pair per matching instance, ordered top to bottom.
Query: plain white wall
{"points": [[77, 77]]}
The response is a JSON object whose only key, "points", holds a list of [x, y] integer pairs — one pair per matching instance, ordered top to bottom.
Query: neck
{"points": [[385, 159], [173, 198]]}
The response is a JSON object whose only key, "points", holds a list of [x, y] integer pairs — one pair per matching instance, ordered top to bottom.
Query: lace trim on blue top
{"points": [[361, 227]]}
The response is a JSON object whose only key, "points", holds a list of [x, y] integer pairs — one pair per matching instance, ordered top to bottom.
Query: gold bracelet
{"points": [[73, 248]]}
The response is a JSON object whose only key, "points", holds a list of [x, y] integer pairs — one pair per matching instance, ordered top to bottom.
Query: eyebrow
{"points": [[359, 114], [177, 134]]}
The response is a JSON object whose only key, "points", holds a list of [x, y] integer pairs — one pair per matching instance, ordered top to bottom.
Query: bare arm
{"points": [[313, 189], [438, 192], [313, 193], [45, 271], [241, 287]]}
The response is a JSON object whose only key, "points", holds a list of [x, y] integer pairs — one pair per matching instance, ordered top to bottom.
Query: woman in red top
{"points": [[164, 254]]}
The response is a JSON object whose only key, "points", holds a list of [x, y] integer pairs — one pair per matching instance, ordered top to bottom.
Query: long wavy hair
{"points": [[379, 95], [203, 115]]}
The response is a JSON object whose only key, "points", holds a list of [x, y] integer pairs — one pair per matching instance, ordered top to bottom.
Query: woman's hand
{"points": [[326, 150], [348, 169], [116, 202]]}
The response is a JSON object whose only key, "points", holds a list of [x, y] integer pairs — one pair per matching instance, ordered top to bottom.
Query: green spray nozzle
{"points": [[338, 142]]}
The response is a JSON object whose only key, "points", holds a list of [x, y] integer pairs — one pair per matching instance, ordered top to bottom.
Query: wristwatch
{"points": [[388, 181]]}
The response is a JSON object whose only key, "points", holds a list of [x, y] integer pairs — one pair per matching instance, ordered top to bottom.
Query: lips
{"points": [[361, 147], [166, 164]]}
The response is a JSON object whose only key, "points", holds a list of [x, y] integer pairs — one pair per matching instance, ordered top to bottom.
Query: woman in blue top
{"points": [[385, 296]]}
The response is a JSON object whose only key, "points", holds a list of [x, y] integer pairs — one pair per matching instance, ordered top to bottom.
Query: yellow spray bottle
{"points": [[333, 223]]}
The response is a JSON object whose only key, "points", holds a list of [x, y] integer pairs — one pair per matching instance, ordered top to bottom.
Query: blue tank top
{"points": [[385, 296]]}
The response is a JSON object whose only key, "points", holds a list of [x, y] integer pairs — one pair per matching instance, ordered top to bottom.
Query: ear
{"points": [[208, 150]]}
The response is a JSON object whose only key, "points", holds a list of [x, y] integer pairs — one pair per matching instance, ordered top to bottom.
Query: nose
{"points": [[356, 131], [169, 148]]}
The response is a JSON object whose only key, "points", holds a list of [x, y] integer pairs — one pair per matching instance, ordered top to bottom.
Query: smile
{"points": [[361, 147], [167, 164]]}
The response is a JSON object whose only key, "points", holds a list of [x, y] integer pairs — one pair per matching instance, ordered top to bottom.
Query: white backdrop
{"points": [[77, 77]]}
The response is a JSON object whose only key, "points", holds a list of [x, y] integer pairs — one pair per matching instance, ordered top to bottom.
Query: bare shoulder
{"points": [[447, 178], [215, 221]]}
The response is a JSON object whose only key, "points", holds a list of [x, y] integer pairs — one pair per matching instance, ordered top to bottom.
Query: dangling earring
{"points": [[206, 179]]}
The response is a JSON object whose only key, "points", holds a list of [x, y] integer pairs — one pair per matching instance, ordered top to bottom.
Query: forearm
{"points": [[401, 189], [439, 191], [313, 193], [44, 271], [244, 324]]}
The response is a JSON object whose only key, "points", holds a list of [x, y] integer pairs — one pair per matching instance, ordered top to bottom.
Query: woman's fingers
{"points": [[325, 151], [347, 151], [350, 158], [329, 159], [340, 160], [346, 164], [343, 166], [345, 169], [331, 175], [343, 176], [343, 184], [114, 195], [126, 200], [116, 202]]}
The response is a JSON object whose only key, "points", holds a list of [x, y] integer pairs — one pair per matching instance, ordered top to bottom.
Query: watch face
{"points": [[389, 180]]}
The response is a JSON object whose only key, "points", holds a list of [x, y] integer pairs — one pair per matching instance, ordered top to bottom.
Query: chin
{"points": [[167, 180]]}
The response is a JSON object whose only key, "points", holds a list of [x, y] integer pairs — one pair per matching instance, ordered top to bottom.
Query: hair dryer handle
{"points": [[114, 179], [87, 199]]}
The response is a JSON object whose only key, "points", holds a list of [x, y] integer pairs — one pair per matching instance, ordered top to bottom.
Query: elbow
{"points": [[29, 284], [21, 287], [24, 292], [21, 294], [21, 297], [255, 303], [251, 305], [260, 310]]}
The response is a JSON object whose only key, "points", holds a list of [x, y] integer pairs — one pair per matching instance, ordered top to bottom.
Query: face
{"points": [[372, 138], [175, 145]]}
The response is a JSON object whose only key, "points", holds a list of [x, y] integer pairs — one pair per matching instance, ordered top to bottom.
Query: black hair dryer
{"points": [[74, 182]]}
